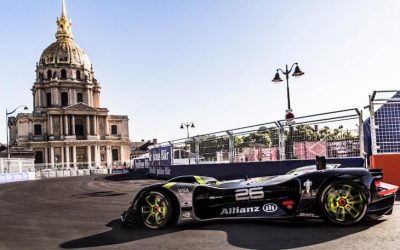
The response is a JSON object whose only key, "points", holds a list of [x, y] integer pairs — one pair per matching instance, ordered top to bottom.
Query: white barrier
{"points": [[67, 173]]}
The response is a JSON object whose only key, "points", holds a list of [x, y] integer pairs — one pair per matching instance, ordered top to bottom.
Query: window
{"points": [[48, 74], [63, 74], [78, 75], [79, 97], [48, 99], [64, 99], [37, 129], [114, 129], [79, 130], [114, 153], [38, 157]]}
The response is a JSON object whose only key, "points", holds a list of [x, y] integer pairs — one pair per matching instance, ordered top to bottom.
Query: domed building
{"points": [[68, 128]]}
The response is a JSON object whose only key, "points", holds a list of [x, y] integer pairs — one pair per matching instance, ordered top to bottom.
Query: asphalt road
{"points": [[83, 212]]}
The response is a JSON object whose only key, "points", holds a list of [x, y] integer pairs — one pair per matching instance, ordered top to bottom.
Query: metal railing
{"points": [[384, 107], [336, 134]]}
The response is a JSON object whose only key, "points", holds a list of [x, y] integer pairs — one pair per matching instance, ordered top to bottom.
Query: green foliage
{"points": [[308, 133]]}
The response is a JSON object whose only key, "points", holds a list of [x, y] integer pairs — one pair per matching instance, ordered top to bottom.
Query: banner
{"points": [[160, 156], [141, 163]]}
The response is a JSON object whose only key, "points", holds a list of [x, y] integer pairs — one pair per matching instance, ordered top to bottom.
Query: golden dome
{"points": [[65, 52]]}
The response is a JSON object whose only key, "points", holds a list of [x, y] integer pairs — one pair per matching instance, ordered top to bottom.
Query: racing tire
{"points": [[343, 203], [155, 210]]}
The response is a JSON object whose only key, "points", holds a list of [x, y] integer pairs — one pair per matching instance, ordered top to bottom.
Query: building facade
{"points": [[67, 127]]}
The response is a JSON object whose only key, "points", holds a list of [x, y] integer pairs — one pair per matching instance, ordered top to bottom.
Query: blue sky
{"points": [[211, 61]]}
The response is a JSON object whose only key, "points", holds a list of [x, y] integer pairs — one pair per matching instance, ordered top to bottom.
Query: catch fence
{"points": [[384, 107], [334, 134]]}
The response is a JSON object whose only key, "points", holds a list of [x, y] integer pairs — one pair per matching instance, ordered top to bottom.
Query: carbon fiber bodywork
{"points": [[296, 194]]}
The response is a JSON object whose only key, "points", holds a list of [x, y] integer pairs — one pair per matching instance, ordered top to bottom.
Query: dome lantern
{"points": [[64, 26]]}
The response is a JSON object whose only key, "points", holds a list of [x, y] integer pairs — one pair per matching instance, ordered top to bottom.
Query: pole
{"points": [[287, 85], [7, 131], [187, 132]]}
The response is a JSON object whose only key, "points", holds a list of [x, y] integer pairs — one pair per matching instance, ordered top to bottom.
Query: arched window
{"points": [[48, 74], [63, 74], [78, 75]]}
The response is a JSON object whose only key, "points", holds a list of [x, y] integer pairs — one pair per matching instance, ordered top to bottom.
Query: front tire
{"points": [[343, 203], [155, 209]]}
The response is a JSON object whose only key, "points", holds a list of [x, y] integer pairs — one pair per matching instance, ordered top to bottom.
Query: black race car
{"points": [[342, 196]]}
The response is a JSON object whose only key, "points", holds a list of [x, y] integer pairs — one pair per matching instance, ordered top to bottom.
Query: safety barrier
{"points": [[390, 164], [229, 171], [67, 173], [15, 177]]}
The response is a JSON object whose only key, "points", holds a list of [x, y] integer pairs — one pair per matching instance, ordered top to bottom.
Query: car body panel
{"points": [[295, 194]]}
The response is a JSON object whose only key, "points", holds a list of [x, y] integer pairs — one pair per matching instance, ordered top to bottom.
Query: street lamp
{"points": [[297, 72], [289, 115], [187, 125], [8, 128]]}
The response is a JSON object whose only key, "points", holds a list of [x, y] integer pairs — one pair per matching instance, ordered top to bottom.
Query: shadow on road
{"points": [[127, 177], [99, 194], [119, 234], [243, 234]]}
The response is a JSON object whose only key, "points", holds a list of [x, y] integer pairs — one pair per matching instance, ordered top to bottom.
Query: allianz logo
{"points": [[268, 208], [239, 210]]}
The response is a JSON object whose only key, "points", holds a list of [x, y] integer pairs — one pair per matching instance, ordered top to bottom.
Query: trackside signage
{"points": [[160, 156]]}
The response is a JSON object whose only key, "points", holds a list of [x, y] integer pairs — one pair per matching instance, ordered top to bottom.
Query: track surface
{"points": [[82, 212]]}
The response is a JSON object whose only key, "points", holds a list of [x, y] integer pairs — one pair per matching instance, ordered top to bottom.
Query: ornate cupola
{"points": [[64, 32], [64, 73]]}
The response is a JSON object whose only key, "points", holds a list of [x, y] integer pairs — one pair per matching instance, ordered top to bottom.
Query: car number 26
{"points": [[249, 194]]}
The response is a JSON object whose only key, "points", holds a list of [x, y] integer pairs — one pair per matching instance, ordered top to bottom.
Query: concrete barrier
{"points": [[14, 177]]}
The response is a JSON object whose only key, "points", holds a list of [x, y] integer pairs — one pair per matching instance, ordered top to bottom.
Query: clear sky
{"points": [[163, 62]]}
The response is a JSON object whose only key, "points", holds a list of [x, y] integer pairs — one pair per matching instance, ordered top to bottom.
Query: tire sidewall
{"points": [[322, 199]]}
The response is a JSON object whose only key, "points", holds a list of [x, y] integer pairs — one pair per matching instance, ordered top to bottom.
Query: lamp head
{"points": [[297, 71], [277, 78], [26, 108], [192, 125], [181, 126]]}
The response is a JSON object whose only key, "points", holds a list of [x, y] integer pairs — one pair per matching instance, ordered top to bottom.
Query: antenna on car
{"points": [[320, 162]]}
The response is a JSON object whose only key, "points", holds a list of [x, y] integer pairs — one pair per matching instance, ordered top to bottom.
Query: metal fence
{"points": [[384, 107], [334, 134]]}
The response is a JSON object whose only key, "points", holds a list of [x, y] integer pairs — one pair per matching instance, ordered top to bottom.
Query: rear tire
{"points": [[343, 203], [155, 209]]}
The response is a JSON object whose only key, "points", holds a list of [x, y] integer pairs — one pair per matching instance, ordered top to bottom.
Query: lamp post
{"points": [[297, 72], [289, 115], [187, 125], [8, 128]]}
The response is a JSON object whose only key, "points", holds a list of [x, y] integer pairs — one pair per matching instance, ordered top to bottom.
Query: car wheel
{"points": [[343, 203], [155, 209]]}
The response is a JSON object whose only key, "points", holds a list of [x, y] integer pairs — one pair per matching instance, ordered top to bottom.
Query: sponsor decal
{"points": [[160, 171], [308, 185], [183, 190], [249, 194], [215, 197], [286, 203], [270, 207], [239, 210], [308, 215]]}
